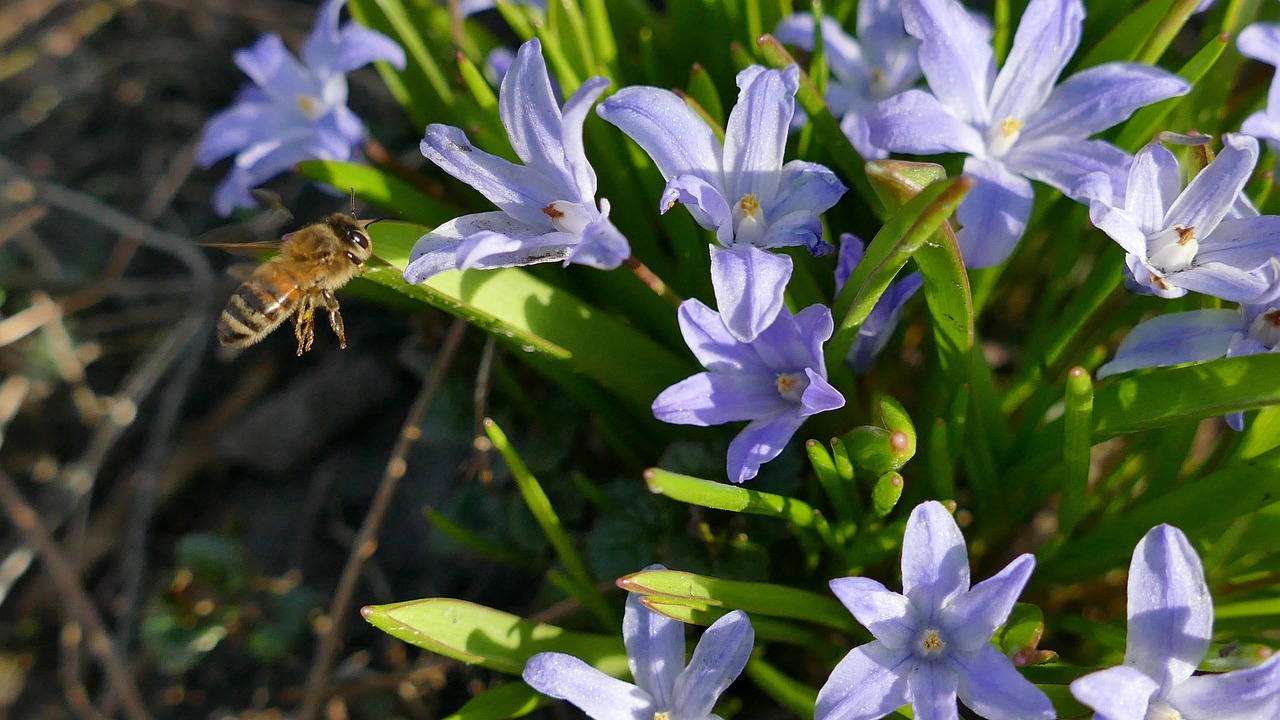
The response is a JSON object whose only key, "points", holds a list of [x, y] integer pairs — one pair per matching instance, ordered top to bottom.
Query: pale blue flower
{"points": [[471, 7], [1261, 41], [879, 64], [293, 110], [1015, 126], [741, 189], [548, 207], [1201, 238], [876, 330], [1197, 336], [775, 381], [1170, 624], [932, 642], [664, 687]]}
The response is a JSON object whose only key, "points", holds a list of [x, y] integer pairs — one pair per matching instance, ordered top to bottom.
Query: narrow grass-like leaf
{"points": [[600, 30], [1166, 30], [1127, 37], [702, 89], [1145, 123], [380, 188], [535, 317], [1076, 447], [840, 494], [540, 506], [1196, 507], [474, 542], [762, 598], [693, 612], [497, 640], [788, 692], [509, 700]]}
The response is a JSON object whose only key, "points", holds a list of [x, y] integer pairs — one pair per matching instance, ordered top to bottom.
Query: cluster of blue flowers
{"points": [[764, 364]]}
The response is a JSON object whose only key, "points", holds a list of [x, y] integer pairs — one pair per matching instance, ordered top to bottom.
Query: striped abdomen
{"points": [[269, 297]]}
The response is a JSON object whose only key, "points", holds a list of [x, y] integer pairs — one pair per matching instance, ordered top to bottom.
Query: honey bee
{"points": [[313, 262]]}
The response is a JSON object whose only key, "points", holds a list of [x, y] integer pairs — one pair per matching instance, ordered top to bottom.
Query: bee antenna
{"points": [[353, 202], [375, 221]]}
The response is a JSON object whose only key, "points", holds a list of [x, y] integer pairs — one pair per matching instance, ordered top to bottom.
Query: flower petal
{"points": [[1047, 37], [1261, 42], [886, 44], [360, 46], [844, 53], [955, 56], [276, 72], [1101, 97], [531, 114], [575, 116], [916, 122], [237, 127], [755, 137], [677, 138], [1062, 163], [1155, 181], [805, 186], [520, 191], [1211, 194], [704, 201], [994, 214], [1120, 226], [1247, 243], [601, 246], [489, 250], [437, 251], [1224, 281], [749, 283], [705, 333], [1176, 338], [793, 343], [820, 396], [712, 398], [758, 443], [935, 561], [1170, 609], [886, 614], [973, 618], [655, 649], [717, 661], [869, 683], [993, 688], [933, 691], [1118, 693], [1250, 694], [601, 697]]}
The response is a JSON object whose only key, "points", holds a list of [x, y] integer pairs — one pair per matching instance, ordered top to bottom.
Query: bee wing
{"points": [[272, 201], [252, 248], [240, 272]]}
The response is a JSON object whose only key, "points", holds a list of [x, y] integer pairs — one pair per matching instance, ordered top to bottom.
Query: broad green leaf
{"points": [[380, 188], [539, 319], [1167, 395], [762, 598], [497, 640], [510, 700]]}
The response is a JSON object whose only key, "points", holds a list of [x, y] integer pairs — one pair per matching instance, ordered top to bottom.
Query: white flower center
{"points": [[879, 84], [311, 107], [1002, 136], [568, 217], [748, 221], [1173, 249], [1266, 328], [791, 386], [930, 643], [1162, 711], [662, 715]]}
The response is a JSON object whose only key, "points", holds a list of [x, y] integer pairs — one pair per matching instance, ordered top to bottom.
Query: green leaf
{"points": [[1127, 37], [703, 91], [1148, 121], [380, 188], [538, 319], [1168, 395], [1076, 448], [707, 493], [886, 493], [762, 598], [694, 612], [1022, 630], [497, 640], [793, 695], [510, 700]]}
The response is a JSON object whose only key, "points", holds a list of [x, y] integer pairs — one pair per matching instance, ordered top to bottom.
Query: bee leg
{"points": [[335, 318], [304, 326]]}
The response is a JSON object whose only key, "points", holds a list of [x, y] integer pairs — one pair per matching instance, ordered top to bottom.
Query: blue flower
{"points": [[471, 7], [1261, 41], [880, 63], [292, 111], [1015, 126], [741, 190], [548, 207], [1201, 238], [883, 320], [1197, 336], [775, 381], [1170, 623], [932, 642], [664, 687]]}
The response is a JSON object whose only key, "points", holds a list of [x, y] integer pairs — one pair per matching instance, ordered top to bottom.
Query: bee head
{"points": [[355, 240]]}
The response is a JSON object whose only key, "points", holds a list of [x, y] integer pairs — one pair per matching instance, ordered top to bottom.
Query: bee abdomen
{"points": [[250, 314]]}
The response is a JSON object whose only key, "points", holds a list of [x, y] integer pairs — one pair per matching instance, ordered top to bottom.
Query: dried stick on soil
{"points": [[366, 541], [64, 576]]}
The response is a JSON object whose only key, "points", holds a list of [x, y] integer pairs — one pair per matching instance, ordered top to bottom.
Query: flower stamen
{"points": [[931, 642]]}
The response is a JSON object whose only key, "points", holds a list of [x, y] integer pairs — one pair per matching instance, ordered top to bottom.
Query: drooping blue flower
{"points": [[1261, 41], [879, 64], [292, 110], [1016, 126], [742, 189], [548, 207], [1197, 238], [883, 320], [1197, 336], [775, 381], [1170, 624], [932, 642], [664, 687]]}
